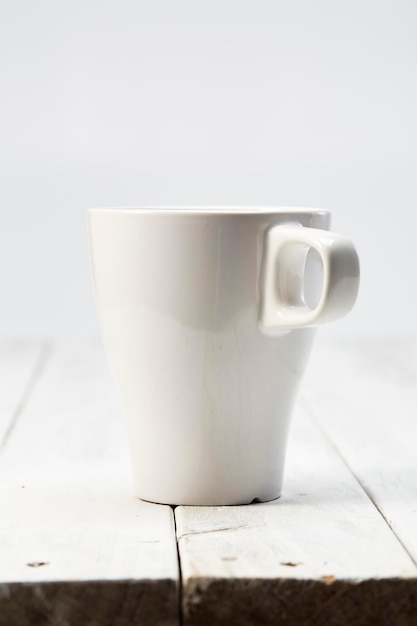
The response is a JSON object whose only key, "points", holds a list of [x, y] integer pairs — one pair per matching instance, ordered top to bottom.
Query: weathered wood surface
{"points": [[76, 546], [339, 547], [323, 553]]}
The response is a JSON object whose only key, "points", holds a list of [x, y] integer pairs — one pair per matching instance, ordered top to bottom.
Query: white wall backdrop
{"points": [[308, 102]]}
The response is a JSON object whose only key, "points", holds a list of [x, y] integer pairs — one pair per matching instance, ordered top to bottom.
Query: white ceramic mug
{"points": [[208, 318]]}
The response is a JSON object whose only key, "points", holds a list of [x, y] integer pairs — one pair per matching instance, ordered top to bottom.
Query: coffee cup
{"points": [[208, 316]]}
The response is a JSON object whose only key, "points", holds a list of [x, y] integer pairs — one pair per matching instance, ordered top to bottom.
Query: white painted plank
{"points": [[19, 365], [364, 394], [66, 501], [324, 522], [323, 534]]}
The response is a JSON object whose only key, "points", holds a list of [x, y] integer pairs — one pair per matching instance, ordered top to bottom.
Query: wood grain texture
{"points": [[73, 538], [287, 602], [92, 603]]}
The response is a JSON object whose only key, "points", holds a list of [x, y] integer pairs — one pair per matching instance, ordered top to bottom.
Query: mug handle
{"points": [[282, 303]]}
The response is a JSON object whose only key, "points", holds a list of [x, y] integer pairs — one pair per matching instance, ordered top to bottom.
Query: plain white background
{"points": [[309, 103]]}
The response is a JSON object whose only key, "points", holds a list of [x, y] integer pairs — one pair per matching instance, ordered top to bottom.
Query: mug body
{"points": [[208, 393]]}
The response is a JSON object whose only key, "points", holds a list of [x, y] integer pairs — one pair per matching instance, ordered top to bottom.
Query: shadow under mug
{"points": [[208, 316]]}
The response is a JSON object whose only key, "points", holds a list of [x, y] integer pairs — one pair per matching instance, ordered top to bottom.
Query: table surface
{"points": [[339, 546]]}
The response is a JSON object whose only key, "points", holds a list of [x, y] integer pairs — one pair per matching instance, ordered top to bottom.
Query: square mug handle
{"points": [[282, 303]]}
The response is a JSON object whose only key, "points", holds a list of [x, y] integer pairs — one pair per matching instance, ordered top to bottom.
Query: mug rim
{"points": [[212, 210]]}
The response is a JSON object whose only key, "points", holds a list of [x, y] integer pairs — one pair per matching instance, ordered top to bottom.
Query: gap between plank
{"points": [[38, 368], [307, 407], [180, 588]]}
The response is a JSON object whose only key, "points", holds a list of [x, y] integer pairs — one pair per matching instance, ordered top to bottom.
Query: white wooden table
{"points": [[339, 547]]}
